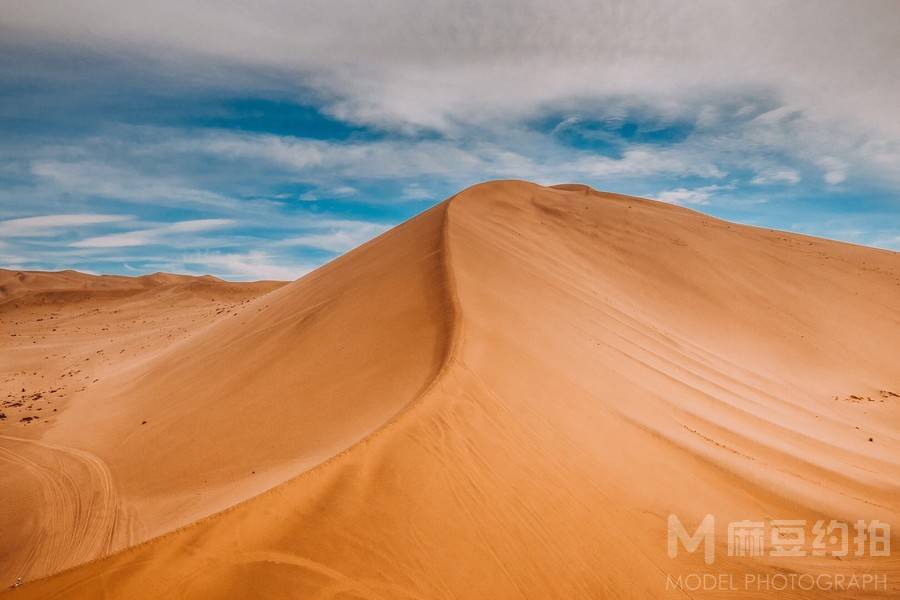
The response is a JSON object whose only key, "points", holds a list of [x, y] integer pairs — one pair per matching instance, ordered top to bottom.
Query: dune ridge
{"points": [[69, 285], [583, 386], [138, 417]]}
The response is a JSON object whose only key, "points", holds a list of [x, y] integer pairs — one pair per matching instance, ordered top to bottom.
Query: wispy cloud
{"points": [[645, 161], [835, 170], [776, 175], [125, 184], [341, 191], [415, 191], [685, 196], [46, 225], [153, 235], [336, 235], [888, 241], [245, 265]]}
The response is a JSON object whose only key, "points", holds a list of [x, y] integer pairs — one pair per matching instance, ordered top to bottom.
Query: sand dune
{"points": [[69, 285], [63, 334], [505, 397]]}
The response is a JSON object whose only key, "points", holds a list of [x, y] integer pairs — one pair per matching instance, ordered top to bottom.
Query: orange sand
{"points": [[504, 397]]}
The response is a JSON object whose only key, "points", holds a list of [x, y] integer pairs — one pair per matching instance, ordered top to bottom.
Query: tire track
{"points": [[79, 516]]}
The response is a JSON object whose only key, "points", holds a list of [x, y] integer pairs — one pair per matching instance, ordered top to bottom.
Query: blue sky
{"points": [[201, 137]]}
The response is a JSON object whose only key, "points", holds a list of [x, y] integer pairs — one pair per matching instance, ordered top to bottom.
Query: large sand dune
{"points": [[63, 335], [505, 397]]}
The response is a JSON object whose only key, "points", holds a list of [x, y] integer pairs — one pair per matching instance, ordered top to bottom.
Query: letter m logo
{"points": [[705, 533]]}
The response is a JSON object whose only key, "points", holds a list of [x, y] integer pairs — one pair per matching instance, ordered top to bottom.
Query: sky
{"points": [[260, 140]]}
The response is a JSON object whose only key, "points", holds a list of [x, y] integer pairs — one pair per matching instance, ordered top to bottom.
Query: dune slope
{"points": [[62, 333], [581, 365], [270, 388]]}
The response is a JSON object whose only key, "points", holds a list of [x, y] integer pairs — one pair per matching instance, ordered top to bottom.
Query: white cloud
{"points": [[406, 63], [403, 65], [297, 153], [457, 159], [373, 160], [646, 161], [835, 170], [776, 175], [94, 178], [341, 191], [414, 191], [682, 196], [47, 225], [196, 225], [154, 235], [336, 235], [888, 241], [12, 262], [247, 265]]}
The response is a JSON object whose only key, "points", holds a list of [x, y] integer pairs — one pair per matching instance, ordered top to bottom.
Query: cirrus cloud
{"points": [[46, 225], [153, 235]]}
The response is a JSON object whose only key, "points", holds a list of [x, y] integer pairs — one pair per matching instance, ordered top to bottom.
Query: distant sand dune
{"points": [[505, 397]]}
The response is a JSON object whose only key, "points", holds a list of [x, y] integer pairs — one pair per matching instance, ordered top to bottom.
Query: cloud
{"points": [[408, 63], [402, 66], [431, 98], [369, 159], [456, 159], [645, 161], [835, 170], [776, 175], [126, 184], [341, 191], [415, 191], [693, 196], [47, 225], [154, 235], [335, 235], [888, 241], [12, 262], [246, 265]]}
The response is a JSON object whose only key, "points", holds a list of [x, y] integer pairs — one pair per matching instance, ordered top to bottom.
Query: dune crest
{"points": [[506, 397]]}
